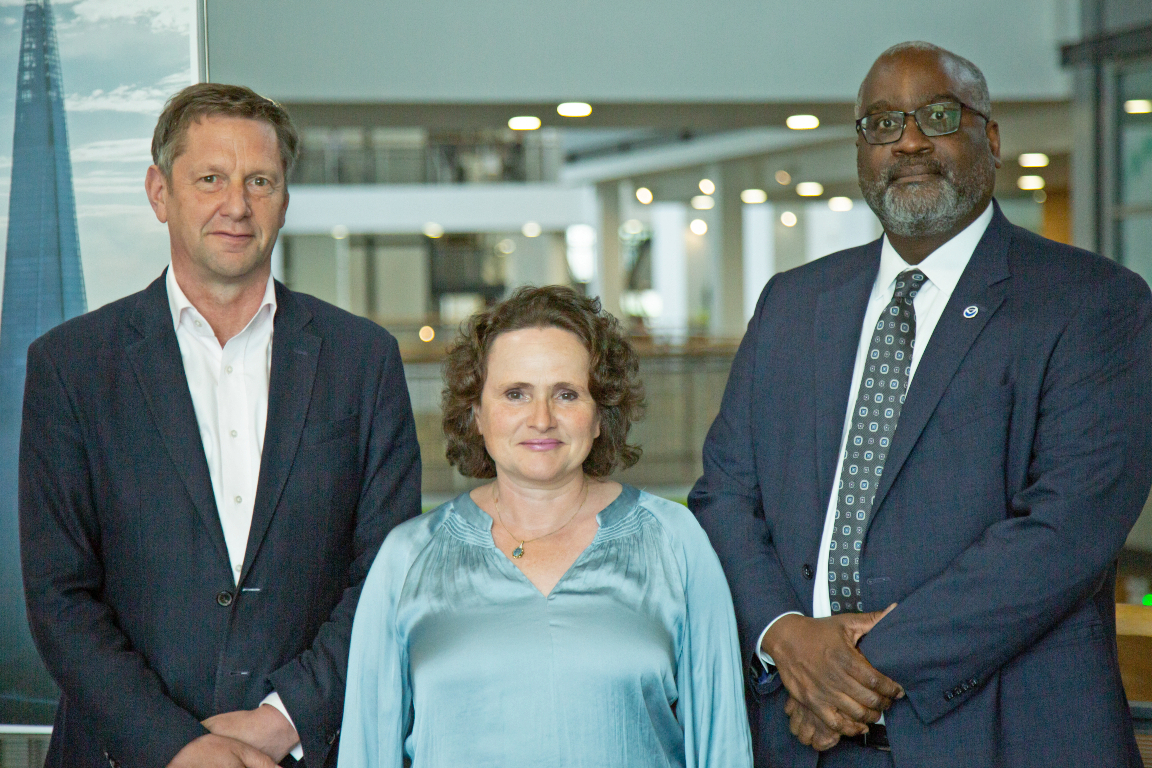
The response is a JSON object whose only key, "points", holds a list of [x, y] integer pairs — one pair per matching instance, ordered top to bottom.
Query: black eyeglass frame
{"points": [[904, 121]]}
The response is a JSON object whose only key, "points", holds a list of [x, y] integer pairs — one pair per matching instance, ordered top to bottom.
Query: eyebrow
{"points": [[883, 105]]}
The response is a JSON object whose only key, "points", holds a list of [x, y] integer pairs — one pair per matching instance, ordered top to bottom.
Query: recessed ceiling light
{"points": [[1138, 106], [574, 109], [802, 122], [524, 123], [1033, 160], [783, 177], [1030, 182], [707, 187], [809, 189], [644, 195], [754, 196], [703, 203], [840, 204], [788, 219], [633, 226], [698, 226], [531, 229], [433, 230], [339, 232], [506, 246], [427, 333]]}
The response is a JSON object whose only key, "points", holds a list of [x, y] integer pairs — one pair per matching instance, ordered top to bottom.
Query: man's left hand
{"points": [[264, 728], [808, 728]]}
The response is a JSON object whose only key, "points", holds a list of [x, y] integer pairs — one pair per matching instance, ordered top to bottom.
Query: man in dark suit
{"points": [[955, 420], [207, 469]]}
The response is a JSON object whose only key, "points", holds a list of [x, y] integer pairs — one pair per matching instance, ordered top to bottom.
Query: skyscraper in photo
{"points": [[43, 286]]}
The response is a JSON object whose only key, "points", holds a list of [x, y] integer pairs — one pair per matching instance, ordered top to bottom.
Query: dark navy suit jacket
{"points": [[1022, 458], [131, 598]]}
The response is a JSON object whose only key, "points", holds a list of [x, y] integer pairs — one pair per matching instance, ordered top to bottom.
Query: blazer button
{"points": [[807, 571], [224, 599]]}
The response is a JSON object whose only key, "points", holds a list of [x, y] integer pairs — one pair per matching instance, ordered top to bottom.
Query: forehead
{"points": [[912, 79], [218, 134], [527, 349]]}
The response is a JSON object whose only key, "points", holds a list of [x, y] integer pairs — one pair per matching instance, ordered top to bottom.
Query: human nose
{"points": [[912, 141], [236, 204], [542, 416]]}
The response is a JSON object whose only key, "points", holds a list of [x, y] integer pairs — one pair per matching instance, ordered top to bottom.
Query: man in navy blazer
{"points": [[956, 421], [207, 469]]}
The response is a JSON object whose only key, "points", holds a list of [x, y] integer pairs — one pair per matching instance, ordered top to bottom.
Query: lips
{"points": [[913, 172], [541, 445]]}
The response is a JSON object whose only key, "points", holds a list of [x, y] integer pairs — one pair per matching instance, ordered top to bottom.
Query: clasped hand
{"points": [[833, 690], [255, 738]]}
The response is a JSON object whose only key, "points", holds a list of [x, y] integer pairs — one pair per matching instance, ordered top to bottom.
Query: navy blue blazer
{"points": [[1021, 461], [130, 593]]}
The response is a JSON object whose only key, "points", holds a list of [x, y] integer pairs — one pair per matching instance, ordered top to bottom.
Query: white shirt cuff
{"points": [[765, 659], [273, 700]]}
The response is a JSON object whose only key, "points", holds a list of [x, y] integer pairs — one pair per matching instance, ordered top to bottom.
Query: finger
{"points": [[859, 624], [869, 677], [832, 719], [254, 758]]}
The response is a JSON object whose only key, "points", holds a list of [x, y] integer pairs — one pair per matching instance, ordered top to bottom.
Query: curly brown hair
{"points": [[613, 375]]}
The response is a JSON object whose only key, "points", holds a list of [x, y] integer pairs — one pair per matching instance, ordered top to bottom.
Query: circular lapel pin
{"points": [[970, 312]]}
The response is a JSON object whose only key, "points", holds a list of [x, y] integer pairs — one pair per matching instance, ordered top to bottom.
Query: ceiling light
{"points": [[1138, 106], [574, 109], [802, 122], [524, 123], [1033, 160], [783, 177], [1030, 182], [707, 187], [809, 189], [644, 195], [754, 196], [1039, 196], [703, 203], [840, 204], [788, 219], [633, 226], [698, 226], [531, 229], [433, 230], [339, 232], [506, 246], [427, 333]]}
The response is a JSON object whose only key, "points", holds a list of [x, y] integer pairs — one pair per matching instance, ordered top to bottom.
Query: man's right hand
{"points": [[821, 668], [212, 751]]}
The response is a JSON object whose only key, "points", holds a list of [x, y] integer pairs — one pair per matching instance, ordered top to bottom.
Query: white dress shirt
{"points": [[942, 269], [229, 388]]}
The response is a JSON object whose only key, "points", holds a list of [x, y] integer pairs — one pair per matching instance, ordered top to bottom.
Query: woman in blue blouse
{"points": [[551, 617]]}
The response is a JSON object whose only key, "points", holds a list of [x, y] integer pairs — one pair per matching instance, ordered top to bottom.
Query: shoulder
{"points": [[329, 319], [86, 335], [678, 524], [401, 549]]}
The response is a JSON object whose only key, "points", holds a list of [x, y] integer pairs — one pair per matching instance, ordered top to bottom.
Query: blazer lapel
{"points": [[983, 285], [839, 315], [295, 353], [159, 370]]}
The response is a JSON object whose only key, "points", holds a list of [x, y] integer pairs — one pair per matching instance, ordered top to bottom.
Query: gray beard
{"points": [[920, 213]]}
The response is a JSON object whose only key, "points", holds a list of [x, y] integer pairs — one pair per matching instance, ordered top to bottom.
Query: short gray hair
{"points": [[964, 70]]}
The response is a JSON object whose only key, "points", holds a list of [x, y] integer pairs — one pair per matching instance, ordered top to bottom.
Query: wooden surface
{"points": [[1134, 620], [1134, 644]]}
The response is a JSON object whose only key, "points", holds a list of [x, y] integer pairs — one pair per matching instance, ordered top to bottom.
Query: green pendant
{"points": [[519, 551]]}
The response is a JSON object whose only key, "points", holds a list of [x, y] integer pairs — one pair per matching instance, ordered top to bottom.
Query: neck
{"points": [[915, 249], [227, 306], [538, 511]]}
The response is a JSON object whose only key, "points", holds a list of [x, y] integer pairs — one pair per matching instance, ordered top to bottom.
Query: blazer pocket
{"points": [[994, 402], [326, 431]]}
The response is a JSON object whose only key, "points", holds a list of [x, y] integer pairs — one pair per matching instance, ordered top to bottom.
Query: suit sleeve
{"points": [[1087, 479], [727, 500], [75, 631], [312, 685]]}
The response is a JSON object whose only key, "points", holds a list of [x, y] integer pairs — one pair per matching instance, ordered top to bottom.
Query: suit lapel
{"points": [[983, 285], [839, 315], [295, 353], [159, 369]]}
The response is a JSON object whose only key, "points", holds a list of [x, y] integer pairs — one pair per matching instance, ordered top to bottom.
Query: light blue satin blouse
{"points": [[632, 660]]}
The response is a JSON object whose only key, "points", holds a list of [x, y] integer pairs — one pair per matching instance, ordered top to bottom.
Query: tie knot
{"points": [[908, 284]]}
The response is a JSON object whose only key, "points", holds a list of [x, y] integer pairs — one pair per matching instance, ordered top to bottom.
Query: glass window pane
{"points": [[1136, 136], [1136, 237]]}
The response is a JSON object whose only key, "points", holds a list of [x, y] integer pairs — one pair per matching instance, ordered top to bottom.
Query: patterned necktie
{"points": [[882, 390]]}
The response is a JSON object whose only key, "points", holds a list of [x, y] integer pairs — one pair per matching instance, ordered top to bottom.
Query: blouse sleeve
{"points": [[709, 680], [378, 694]]}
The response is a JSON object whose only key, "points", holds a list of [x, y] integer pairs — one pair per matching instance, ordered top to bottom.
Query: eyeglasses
{"points": [[932, 120]]}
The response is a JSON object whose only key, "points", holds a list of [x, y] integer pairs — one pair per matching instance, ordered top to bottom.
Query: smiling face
{"points": [[923, 186], [225, 201], [536, 414]]}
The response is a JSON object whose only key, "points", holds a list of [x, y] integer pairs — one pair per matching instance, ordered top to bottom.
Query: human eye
{"points": [[210, 178], [514, 394], [568, 395]]}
